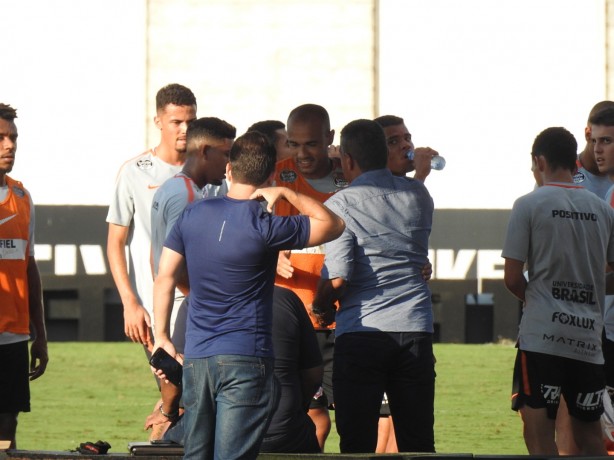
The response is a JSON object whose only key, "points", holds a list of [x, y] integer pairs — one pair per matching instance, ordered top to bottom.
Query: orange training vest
{"points": [[14, 256], [307, 263]]}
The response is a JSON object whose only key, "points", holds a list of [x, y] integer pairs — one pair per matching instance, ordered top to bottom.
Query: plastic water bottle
{"points": [[437, 162]]}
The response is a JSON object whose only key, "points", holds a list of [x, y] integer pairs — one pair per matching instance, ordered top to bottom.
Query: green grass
{"points": [[104, 391], [472, 400]]}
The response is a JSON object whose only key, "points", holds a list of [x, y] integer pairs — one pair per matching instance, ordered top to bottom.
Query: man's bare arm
{"points": [[422, 162], [325, 224], [284, 266], [514, 278], [323, 307], [136, 319], [39, 356], [169, 410]]}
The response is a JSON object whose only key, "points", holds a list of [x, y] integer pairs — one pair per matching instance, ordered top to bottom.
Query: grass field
{"points": [[104, 391]]}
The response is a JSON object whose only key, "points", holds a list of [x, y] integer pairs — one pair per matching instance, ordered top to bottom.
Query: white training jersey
{"points": [[599, 185], [135, 186], [565, 234]]}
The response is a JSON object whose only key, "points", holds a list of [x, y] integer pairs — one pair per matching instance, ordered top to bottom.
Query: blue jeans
{"points": [[366, 365], [229, 401]]}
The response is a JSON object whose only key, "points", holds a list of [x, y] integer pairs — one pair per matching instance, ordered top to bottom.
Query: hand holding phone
{"points": [[172, 369]]}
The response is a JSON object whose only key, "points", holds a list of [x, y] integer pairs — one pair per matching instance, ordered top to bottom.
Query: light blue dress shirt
{"points": [[381, 254]]}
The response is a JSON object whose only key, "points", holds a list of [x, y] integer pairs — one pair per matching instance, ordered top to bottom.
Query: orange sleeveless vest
{"points": [[14, 255], [307, 263]]}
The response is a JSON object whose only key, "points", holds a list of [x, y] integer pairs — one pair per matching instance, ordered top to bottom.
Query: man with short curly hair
{"points": [[21, 306]]}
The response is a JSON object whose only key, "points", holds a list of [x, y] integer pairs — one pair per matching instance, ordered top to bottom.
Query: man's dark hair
{"points": [[175, 94], [598, 107], [7, 112], [310, 112], [604, 117], [389, 120], [206, 128], [268, 128], [365, 142], [558, 146], [252, 158]]}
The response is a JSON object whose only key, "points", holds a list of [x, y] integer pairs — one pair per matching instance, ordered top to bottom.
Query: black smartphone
{"points": [[169, 365]]}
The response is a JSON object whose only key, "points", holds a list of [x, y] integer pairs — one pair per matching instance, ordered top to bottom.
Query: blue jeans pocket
{"points": [[244, 380], [189, 397]]}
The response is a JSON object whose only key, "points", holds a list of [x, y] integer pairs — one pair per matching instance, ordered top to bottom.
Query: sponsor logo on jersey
{"points": [[144, 163], [287, 175], [579, 177], [339, 180], [152, 186], [18, 191], [574, 215], [6, 219], [8, 244], [13, 249], [574, 295], [573, 320], [580, 345], [551, 393], [590, 401]]}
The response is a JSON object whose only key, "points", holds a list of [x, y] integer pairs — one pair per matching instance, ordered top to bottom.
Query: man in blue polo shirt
{"points": [[229, 390]]}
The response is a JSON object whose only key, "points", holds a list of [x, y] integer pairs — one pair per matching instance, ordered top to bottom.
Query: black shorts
{"points": [[608, 356], [14, 378], [540, 379], [324, 397], [384, 410]]}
